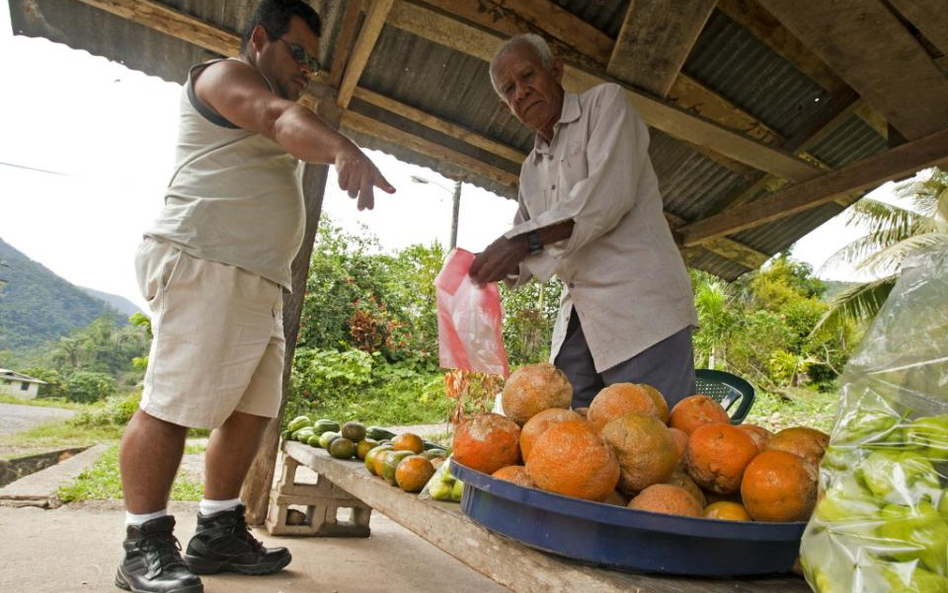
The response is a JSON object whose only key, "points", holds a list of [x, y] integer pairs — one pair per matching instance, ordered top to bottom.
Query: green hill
{"points": [[834, 287], [36, 305]]}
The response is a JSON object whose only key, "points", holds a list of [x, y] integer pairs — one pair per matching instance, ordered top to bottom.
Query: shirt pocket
{"points": [[573, 168]]}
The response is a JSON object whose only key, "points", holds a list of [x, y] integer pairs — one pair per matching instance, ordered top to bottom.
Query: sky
{"points": [[87, 147]]}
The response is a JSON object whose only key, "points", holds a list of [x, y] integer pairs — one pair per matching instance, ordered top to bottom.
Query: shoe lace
{"points": [[243, 531], [165, 551]]}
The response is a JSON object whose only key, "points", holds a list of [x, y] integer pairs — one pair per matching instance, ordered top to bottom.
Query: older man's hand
{"points": [[501, 259]]}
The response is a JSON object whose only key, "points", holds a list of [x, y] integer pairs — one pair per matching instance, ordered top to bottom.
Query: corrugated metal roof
{"points": [[728, 59], [455, 87]]}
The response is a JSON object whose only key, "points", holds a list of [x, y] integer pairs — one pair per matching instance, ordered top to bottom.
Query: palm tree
{"points": [[895, 233], [713, 302]]}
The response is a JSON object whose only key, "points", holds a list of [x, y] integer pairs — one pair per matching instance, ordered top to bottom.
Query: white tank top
{"points": [[235, 196]]}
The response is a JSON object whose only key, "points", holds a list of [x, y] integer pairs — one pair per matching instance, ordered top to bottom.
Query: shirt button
{"points": [[553, 186]]}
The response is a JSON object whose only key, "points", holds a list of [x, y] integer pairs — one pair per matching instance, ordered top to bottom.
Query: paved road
{"points": [[15, 418]]}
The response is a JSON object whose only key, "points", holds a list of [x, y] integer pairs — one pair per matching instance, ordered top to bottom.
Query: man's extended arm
{"points": [[240, 94]]}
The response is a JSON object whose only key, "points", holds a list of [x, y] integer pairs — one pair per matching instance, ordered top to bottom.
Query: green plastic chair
{"points": [[735, 394]]}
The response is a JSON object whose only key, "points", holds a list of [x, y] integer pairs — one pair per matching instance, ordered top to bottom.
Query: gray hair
{"points": [[537, 43]]}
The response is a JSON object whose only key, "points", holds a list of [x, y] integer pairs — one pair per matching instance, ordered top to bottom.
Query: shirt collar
{"points": [[570, 113]]}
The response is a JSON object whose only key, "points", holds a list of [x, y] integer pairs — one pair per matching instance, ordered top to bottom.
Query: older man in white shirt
{"points": [[590, 212]]}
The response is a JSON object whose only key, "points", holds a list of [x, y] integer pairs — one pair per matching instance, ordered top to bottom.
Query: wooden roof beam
{"points": [[929, 17], [173, 23], [769, 31], [368, 36], [654, 41], [590, 48], [340, 55], [897, 77], [669, 118], [372, 127], [901, 161]]}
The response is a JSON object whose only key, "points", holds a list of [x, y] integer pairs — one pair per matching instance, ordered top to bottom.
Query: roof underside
{"points": [[753, 68]]}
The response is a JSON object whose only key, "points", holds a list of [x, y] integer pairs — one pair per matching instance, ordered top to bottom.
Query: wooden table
{"points": [[506, 561]]}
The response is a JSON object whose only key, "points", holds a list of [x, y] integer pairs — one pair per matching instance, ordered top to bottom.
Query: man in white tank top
{"points": [[213, 268]]}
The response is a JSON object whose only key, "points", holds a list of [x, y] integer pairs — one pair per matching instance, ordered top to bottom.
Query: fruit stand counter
{"points": [[510, 563]]}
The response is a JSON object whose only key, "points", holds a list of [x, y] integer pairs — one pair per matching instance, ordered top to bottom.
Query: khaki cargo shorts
{"points": [[218, 338]]}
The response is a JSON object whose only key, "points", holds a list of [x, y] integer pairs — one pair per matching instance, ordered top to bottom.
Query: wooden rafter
{"points": [[928, 16], [171, 22], [368, 35], [655, 39], [344, 42], [593, 49], [897, 76], [663, 115], [367, 125], [440, 125], [901, 161], [723, 246]]}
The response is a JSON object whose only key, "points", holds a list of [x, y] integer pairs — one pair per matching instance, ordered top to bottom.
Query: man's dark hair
{"points": [[275, 16]]}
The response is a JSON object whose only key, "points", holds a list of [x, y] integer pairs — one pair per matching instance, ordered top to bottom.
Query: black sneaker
{"points": [[223, 542], [153, 561]]}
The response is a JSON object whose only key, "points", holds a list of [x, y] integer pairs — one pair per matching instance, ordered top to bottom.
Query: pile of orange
{"points": [[630, 450]]}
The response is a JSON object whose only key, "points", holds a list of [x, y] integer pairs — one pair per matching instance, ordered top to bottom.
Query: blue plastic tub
{"points": [[627, 539]]}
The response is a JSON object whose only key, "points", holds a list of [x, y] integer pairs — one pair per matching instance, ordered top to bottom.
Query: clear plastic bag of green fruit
{"points": [[442, 485], [881, 524]]}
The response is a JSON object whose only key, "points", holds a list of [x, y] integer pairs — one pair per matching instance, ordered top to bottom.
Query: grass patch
{"points": [[399, 400], [43, 402], [806, 408], [63, 434], [193, 449], [103, 481]]}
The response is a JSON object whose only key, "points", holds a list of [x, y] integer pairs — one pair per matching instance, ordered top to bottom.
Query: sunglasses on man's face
{"points": [[301, 56]]}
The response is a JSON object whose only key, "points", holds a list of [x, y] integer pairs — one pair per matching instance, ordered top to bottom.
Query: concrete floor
{"points": [[76, 548]]}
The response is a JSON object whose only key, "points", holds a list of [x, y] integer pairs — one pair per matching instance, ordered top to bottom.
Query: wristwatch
{"points": [[534, 244]]}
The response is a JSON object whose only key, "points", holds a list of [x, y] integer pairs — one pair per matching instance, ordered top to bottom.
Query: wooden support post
{"points": [[256, 489]]}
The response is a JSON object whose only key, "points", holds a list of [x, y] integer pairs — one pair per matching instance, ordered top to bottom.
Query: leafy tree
{"points": [[919, 221], [714, 301], [529, 315], [88, 387]]}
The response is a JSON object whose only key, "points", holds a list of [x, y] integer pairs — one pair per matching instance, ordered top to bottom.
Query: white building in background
{"points": [[18, 384]]}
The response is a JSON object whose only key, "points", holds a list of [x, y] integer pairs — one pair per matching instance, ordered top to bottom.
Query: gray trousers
{"points": [[667, 366]]}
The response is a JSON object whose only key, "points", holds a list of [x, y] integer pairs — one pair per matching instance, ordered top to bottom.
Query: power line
{"points": [[28, 168]]}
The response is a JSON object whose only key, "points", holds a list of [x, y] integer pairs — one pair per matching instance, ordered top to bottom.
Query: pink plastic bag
{"points": [[469, 319]]}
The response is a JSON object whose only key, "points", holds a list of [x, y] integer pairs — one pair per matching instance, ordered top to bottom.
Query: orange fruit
{"points": [[534, 388], [618, 400], [659, 400], [695, 411], [538, 424], [760, 434], [681, 441], [408, 442], [487, 442], [808, 443], [645, 449], [717, 455], [571, 459], [413, 472], [514, 473], [683, 480], [779, 486], [668, 499], [728, 511]]}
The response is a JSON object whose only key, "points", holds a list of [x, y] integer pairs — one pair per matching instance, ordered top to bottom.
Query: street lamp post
{"points": [[456, 206]]}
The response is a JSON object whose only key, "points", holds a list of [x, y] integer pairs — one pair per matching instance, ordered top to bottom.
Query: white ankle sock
{"points": [[209, 507], [133, 519]]}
